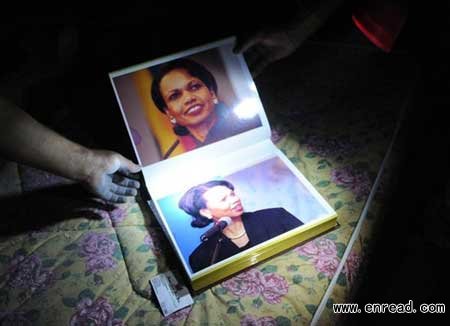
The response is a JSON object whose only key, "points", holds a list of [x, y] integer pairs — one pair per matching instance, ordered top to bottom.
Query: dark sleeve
{"points": [[288, 220], [268, 223], [201, 256], [197, 259], [194, 263]]}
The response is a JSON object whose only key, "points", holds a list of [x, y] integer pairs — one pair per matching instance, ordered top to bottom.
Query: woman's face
{"points": [[187, 98], [220, 202]]}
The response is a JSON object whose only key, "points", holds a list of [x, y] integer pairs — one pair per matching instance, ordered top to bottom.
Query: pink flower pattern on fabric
{"points": [[334, 147], [355, 179], [117, 215], [98, 249], [323, 254], [327, 265], [351, 266], [28, 273], [245, 284], [271, 286], [274, 287], [99, 312], [179, 315], [250, 320]]}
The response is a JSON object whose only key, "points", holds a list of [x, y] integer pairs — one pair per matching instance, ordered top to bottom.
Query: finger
{"points": [[243, 44], [126, 166], [126, 182], [123, 191], [114, 198], [99, 203], [120, 204]]}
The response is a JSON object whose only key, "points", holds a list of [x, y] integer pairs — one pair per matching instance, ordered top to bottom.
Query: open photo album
{"points": [[224, 194]]}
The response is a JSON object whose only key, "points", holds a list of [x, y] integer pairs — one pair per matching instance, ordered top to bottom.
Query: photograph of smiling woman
{"points": [[188, 95]]}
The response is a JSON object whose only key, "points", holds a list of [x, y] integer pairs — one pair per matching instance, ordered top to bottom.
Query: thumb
{"points": [[127, 166]]}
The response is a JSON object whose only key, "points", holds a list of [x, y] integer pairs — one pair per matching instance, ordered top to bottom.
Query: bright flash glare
{"points": [[246, 109]]}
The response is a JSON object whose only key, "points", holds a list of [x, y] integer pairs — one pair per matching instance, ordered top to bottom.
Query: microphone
{"points": [[218, 227]]}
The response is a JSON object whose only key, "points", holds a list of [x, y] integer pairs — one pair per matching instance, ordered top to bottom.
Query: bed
{"points": [[336, 112]]}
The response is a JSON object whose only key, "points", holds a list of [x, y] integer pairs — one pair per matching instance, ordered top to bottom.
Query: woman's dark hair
{"points": [[193, 68], [192, 201]]}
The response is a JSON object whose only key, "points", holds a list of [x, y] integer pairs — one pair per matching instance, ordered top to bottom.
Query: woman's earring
{"points": [[215, 101], [173, 121]]}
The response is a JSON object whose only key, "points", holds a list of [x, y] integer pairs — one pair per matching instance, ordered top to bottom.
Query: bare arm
{"points": [[24, 140]]}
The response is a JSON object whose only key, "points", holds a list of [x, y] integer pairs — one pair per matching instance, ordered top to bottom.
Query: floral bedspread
{"points": [[334, 118]]}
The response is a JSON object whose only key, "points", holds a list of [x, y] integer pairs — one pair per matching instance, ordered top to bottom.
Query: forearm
{"points": [[24, 140]]}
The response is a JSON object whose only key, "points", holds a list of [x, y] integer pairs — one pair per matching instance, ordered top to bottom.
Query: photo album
{"points": [[226, 197]]}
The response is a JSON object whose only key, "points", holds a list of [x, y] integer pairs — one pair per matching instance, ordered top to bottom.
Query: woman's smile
{"points": [[194, 110]]}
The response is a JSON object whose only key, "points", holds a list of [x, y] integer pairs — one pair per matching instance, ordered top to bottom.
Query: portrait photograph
{"points": [[178, 104], [222, 217]]}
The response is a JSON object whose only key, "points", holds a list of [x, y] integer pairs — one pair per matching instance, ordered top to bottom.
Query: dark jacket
{"points": [[261, 225]]}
